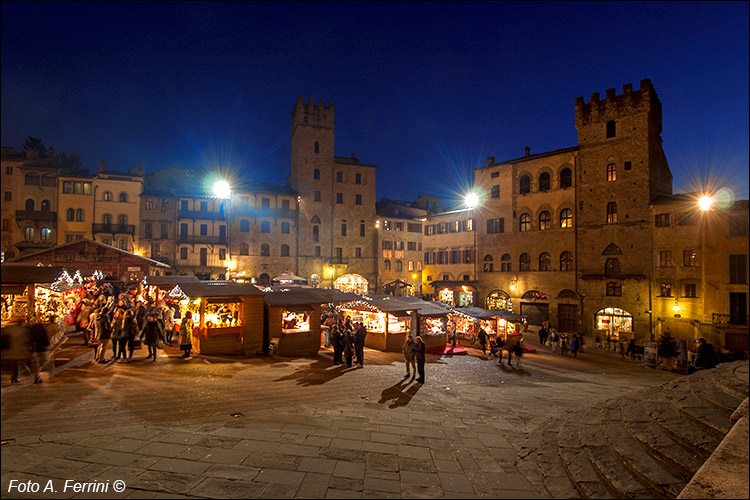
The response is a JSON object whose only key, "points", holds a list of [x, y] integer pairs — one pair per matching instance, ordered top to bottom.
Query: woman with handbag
{"points": [[186, 334]]}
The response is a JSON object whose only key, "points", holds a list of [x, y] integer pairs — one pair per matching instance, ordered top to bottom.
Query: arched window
{"points": [[317, 147], [611, 172], [566, 178], [31, 180], [544, 182], [524, 184], [107, 196], [123, 197], [29, 205], [45, 206], [612, 212], [70, 214], [79, 215], [566, 218], [107, 219], [122, 219], [315, 220], [545, 220], [524, 223], [244, 226], [265, 227], [284, 228], [343, 228], [45, 233], [316, 233], [28, 234], [122, 244], [244, 249], [612, 249], [265, 250], [285, 250], [566, 261], [524, 262], [545, 262], [505, 263], [488, 264], [387, 265], [411, 265], [419, 265], [399, 266], [612, 267], [264, 279], [499, 300], [621, 321]]}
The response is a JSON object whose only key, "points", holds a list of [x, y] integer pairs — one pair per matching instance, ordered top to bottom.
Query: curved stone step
{"points": [[732, 378], [704, 388], [708, 419], [684, 432], [636, 459], [679, 460], [576, 462], [608, 467], [554, 475]]}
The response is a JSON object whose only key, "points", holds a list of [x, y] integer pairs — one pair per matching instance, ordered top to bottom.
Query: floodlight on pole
{"points": [[222, 189], [472, 200], [705, 202]]}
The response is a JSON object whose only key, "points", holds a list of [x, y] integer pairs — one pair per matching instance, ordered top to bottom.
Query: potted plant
{"points": [[667, 349]]}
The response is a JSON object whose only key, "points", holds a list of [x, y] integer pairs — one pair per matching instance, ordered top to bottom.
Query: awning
{"points": [[298, 308]]}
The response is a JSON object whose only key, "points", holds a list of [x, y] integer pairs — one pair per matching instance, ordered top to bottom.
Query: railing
{"points": [[36, 215], [198, 215], [113, 228], [208, 240], [730, 319]]}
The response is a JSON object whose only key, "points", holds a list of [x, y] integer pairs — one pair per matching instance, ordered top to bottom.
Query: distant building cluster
{"points": [[589, 237]]}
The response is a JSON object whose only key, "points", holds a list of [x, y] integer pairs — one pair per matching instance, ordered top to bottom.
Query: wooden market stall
{"points": [[158, 287], [228, 316], [387, 321], [432, 321], [292, 322], [495, 322]]}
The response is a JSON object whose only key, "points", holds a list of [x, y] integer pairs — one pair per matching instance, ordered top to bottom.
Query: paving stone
{"points": [[178, 437], [385, 437], [318, 441], [219, 442], [125, 445], [253, 445], [374, 447], [162, 449], [299, 450], [194, 452], [413, 452], [224, 456], [273, 461], [377, 461], [317, 465], [416, 465], [179, 466], [447, 466], [353, 470], [226, 471], [382, 474], [291, 477], [423, 478], [165, 482], [346, 483], [385, 485], [278, 490], [422, 491], [334, 493], [379, 494]]}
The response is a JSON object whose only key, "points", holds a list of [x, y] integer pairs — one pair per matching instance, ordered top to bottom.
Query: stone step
{"points": [[732, 378], [703, 387], [708, 419], [682, 431], [634, 457], [532, 459], [679, 460], [575, 461], [608, 467], [554, 475]]}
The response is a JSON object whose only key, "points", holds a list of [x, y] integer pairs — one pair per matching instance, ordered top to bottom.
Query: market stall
{"points": [[158, 287], [228, 316], [387, 321], [433, 321], [293, 322], [494, 322]]}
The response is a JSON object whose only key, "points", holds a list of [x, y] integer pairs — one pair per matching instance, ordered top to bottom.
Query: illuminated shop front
{"points": [[352, 283], [157, 288], [455, 293], [499, 300], [227, 316], [387, 321], [613, 321], [433, 322], [494, 322], [293, 327]]}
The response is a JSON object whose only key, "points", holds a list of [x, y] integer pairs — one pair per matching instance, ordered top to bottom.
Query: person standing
{"points": [[168, 317], [129, 331], [152, 332], [103, 333], [186, 334], [117, 335], [482, 337], [554, 339], [337, 340], [40, 341], [359, 344], [575, 345], [17, 346], [348, 347], [518, 351], [419, 354], [410, 357]]}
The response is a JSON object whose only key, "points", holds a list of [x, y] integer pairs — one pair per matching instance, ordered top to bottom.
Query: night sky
{"points": [[426, 91]]}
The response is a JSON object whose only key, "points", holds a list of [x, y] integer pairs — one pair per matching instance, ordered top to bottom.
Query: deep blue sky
{"points": [[426, 91]]}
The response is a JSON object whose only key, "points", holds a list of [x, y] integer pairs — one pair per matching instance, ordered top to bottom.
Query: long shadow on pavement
{"points": [[316, 373], [397, 393]]}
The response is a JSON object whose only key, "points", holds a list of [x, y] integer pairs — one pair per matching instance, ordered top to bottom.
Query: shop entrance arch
{"points": [[351, 283], [499, 300], [614, 321]]}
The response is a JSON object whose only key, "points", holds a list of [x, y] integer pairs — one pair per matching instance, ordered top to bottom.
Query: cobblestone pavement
{"points": [[214, 427]]}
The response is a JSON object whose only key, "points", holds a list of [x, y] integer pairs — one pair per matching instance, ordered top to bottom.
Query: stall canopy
{"points": [[288, 278], [168, 281], [215, 289], [328, 295], [296, 300], [391, 305], [426, 308], [480, 313]]}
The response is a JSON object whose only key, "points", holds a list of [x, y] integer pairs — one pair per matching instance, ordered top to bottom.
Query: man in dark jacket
{"points": [[40, 340], [337, 340], [359, 344], [419, 350], [705, 356]]}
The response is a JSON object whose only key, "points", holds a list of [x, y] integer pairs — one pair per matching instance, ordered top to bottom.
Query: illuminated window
{"points": [[611, 172], [107, 196], [611, 212], [566, 218], [545, 220], [524, 223], [45, 233], [28, 234], [690, 258], [566, 261], [545, 262], [488, 264], [665, 289]]}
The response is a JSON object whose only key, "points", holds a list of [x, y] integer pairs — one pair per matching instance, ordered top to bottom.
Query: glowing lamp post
{"points": [[222, 189], [472, 201]]}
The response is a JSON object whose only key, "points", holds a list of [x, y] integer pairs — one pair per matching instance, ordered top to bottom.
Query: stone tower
{"points": [[621, 169]]}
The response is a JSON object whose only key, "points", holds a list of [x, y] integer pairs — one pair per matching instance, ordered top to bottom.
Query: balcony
{"points": [[36, 215], [198, 215], [113, 229], [207, 240], [724, 320]]}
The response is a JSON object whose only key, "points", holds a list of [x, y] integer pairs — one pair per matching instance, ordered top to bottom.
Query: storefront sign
{"points": [[134, 268], [649, 354]]}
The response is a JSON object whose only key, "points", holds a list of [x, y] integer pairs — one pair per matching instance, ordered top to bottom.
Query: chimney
{"points": [[527, 151], [490, 160], [101, 165]]}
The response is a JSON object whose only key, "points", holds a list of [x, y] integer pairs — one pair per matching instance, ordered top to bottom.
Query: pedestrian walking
{"points": [[168, 317], [129, 331], [103, 333], [186, 334], [116, 335], [151, 335], [482, 337], [359, 339], [554, 339], [40, 342], [564, 344], [575, 345], [17, 346], [518, 351], [419, 354], [410, 357]]}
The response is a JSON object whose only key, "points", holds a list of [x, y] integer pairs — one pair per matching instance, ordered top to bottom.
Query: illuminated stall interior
{"points": [[158, 287], [455, 293], [614, 320], [387, 321], [293, 326]]}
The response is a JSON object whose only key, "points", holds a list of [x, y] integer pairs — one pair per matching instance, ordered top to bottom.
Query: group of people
{"points": [[347, 340], [560, 342], [25, 344], [414, 357]]}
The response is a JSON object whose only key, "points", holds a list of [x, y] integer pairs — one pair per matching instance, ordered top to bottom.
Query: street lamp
{"points": [[222, 189], [472, 201], [705, 203]]}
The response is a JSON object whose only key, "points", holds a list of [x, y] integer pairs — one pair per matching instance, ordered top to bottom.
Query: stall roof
{"points": [[24, 273], [170, 280], [218, 289], [335, 296], [292, 297], [392, 304], [425, 308], [478, 312], [509, 315]]}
